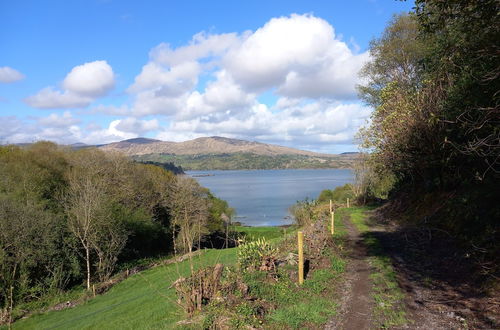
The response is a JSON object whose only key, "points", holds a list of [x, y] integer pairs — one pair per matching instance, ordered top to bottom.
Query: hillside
{"points": [[205, 145], [211, 153], [247, 161]]}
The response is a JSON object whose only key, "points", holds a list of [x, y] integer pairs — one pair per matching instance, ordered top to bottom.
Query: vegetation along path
{"points": [[396, 280]]}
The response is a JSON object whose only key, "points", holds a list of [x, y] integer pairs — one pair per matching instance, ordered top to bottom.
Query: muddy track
{"points": [[356, 307]]}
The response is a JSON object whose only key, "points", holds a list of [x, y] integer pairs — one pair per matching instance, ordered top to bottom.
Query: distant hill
{"points": [[205, 145], [211, 153]]}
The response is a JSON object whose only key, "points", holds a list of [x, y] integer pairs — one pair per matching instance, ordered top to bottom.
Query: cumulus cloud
{"points": [[201, 46], [300, 56], [297, 57], [9, 75], [91, 79], [171, 81], [84, 84]]}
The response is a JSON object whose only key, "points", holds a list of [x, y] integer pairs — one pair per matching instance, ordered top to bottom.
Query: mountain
{"points": [[204, 145], [211, 153]]}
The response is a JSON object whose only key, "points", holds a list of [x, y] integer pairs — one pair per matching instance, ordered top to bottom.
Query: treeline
{"points": [[433, 141], [249, 161], [167, 166], [70, 217]]}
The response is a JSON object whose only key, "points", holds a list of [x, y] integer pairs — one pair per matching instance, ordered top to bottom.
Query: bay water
{"points": [[262, 197]]}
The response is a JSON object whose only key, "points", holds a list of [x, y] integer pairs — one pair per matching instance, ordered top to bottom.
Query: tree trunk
{"points": [[87, 259]]}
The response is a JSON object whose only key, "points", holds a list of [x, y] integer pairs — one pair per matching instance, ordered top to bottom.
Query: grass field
{"points": [[269, 233], [143, 301]]}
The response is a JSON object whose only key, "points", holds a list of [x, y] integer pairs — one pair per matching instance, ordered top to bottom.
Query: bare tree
{"points": [[89, 208], [189, 213]]}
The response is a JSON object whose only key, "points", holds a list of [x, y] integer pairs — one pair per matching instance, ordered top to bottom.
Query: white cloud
{"points": [[202, 45], [300, 56], [297, 57], [9, 75], [92, 79], [172, 81], [84, 84], [48, 98], [58, 121], [134, 125], [305, 125], [107, 135]]}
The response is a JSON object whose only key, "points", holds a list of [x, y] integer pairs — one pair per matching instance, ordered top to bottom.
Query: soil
{"points": [[442, 286], [441, 289], [356, 306]]}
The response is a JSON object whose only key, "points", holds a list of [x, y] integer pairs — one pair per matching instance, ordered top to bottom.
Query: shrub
{"points": [[256, 254]]}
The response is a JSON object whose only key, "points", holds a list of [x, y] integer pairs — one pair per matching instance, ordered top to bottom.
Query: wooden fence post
{"points": [[348, 203], [331, 206], [332, 227], [301, 257]]}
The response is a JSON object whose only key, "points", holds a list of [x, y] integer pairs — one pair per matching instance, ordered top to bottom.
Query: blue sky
{"points": [[99, 71]]}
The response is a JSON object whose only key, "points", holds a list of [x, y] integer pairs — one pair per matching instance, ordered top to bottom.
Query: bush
{"points": [[338, 195], [256, 254]]}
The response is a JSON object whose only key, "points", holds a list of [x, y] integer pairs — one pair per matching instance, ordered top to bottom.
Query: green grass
{"points": [[358, 218], [268, 233], [388, 296], [143, 301], [303, 313]]}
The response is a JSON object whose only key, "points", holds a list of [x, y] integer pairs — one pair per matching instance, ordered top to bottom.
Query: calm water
{"points": [[262, 198]]}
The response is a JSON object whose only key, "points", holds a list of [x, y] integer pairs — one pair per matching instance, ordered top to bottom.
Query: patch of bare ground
{"points": [[442, 290], [356, 306]]}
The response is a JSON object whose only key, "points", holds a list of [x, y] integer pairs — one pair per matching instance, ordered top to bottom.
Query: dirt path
{"points": [[439, 288], [356, 305]]}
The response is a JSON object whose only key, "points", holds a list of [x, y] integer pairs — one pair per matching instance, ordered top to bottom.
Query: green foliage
{"points": [[433, 81], [167, 166], [338, 195], [303, 212], [220, 214], [68, 215], [251, 254]]}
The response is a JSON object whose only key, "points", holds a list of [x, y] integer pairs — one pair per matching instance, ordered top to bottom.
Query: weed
{"points": [[252, 254]]}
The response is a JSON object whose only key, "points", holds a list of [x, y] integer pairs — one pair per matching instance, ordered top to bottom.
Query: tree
{"points": [[395, 58], [462, 58], [404, 135], [89, 206], [189, 213]]}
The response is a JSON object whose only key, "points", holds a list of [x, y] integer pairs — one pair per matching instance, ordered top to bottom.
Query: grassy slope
{"points": [[142, 301]]}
